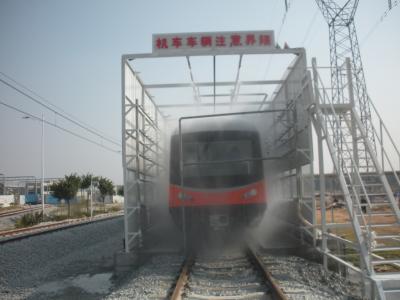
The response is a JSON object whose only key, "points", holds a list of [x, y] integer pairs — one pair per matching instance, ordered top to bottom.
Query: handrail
{"points": [[384, 126], [380, 139], [344, 168], [364, 248]]}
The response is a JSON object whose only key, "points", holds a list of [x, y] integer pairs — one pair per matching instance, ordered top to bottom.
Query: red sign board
{"points": [[205, 41]]}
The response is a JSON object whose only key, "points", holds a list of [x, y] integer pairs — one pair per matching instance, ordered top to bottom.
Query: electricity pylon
{"points": [[343, 43]]}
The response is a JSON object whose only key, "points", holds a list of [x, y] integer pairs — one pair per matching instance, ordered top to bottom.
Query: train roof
{"points": [[215, 124]]}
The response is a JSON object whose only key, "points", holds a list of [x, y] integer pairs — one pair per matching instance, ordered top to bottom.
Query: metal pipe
{"points": [[231, 51], [214, 80], [210, 84], [237, 84], [195, 88], [212, 104], [233, 114], [232, 161], [124, 164], [181, 167], [320, 169], [42, 181], [91, 197]]}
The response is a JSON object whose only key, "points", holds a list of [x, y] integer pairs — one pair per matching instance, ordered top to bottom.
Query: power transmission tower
{"points": [[343, 43]]}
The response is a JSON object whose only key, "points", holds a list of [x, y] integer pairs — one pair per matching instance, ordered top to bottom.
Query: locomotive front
{"points": [[223, 184]]}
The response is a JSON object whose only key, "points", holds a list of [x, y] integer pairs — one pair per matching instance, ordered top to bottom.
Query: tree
{"points": [[86, 181], [106, 187], [66, 189], [120, 191]]}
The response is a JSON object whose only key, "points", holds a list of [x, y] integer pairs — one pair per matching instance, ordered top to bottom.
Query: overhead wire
{"points": [[287, 6], [379, 21], [310, 26], [52, 104], [61, 114], [58, 127]]}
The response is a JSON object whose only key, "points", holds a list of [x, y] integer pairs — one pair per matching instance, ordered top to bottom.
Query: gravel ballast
{"points": [[77, 263], [43, 266], [303, 279], [153, 280]]}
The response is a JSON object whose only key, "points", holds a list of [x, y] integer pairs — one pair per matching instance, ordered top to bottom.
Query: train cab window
{"points": [[217, 151], [227, 152], [217, 159]]}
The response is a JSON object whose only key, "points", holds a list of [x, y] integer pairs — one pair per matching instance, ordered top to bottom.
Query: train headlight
{"points": [[249, 194], [182, 196]]}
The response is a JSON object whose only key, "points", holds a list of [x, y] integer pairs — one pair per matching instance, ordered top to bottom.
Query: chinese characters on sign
{"points": [[213, 40]]}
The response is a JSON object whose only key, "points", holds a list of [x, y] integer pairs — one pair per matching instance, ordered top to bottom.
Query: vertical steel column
{"points": [[214, 75], [353, 121], [123, 127], [145, 142], [381, 145], [157, 146], [355, 160], [181, 167], [320, 169], [137, 175], [42, 182], [299, 190], [91, 198], [314, 207]]}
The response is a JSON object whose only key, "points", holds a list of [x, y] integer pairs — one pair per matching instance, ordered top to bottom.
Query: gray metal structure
{"points": [[343, 43], [298, 101], [345, 118], [144, 124], [368, 197]]}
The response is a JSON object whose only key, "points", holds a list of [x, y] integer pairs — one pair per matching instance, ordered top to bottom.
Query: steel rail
{"points": [[20, 211], [23, 233], [182, 281], [276, 289]]}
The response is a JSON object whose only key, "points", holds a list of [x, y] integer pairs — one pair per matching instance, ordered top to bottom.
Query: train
{"points": [[223, 186]]}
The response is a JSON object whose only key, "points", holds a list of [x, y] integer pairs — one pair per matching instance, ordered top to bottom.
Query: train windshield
{"points": [[217, 160]]}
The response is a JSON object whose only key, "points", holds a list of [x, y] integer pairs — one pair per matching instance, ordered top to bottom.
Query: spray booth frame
{"points": [[144, 141]]}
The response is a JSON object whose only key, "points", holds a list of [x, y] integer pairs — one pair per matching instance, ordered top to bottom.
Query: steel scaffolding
{"points": [[298, 101], [286, 132], [366, 191]]}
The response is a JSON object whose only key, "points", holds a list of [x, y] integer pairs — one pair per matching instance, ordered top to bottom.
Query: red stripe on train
{"points": [[249, 194]]}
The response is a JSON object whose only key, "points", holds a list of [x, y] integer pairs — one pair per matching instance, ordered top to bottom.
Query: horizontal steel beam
{"points": [[216, 52], [210, 84], [230, 95], [209, 104], [335, 108], [232, 114], [232, 161]]}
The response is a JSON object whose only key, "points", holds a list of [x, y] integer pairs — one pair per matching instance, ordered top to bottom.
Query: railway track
{"points": [[21, 211], [21, 233], [235, 274], [240, 275]]}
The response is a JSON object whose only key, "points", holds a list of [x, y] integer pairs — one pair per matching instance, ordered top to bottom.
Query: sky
{"points": [[69, 53]]}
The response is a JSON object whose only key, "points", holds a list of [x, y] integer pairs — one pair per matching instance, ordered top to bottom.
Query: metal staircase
{"points": [[362, 171]]}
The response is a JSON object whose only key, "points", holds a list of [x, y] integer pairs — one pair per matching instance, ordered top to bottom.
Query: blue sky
{"points": [[69, 53]]}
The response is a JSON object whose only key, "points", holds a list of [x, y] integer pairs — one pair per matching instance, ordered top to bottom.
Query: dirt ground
{"points": [[340, 215]]}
